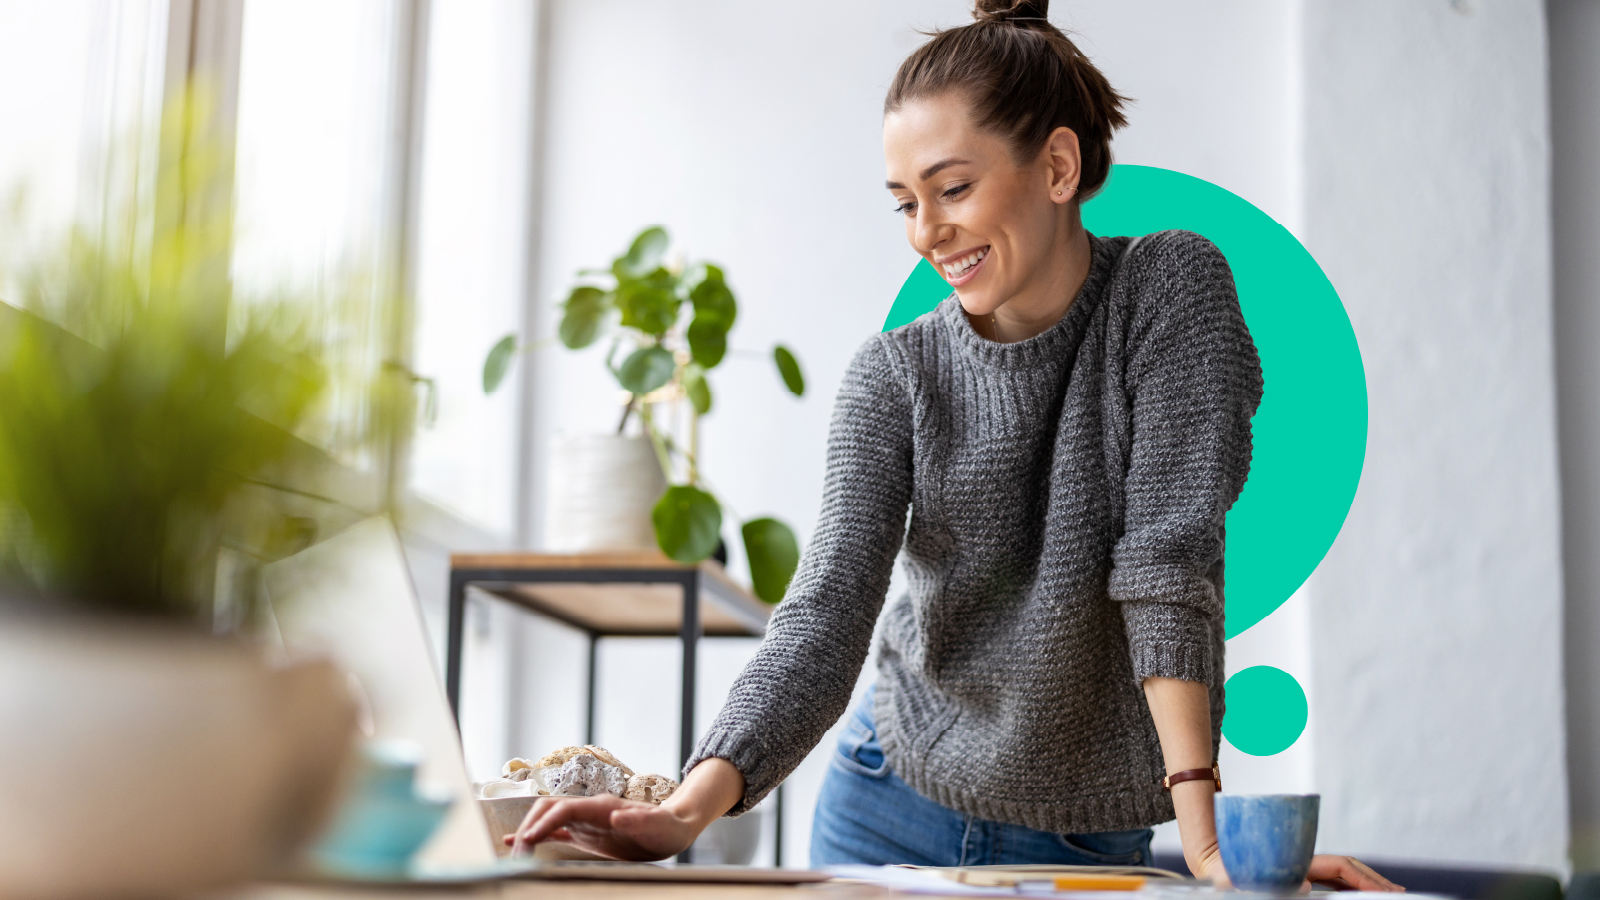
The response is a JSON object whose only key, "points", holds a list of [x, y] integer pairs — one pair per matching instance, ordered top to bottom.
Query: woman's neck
{"points": [[1046, 299]]}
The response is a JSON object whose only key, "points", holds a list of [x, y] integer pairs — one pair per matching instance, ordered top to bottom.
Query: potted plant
{"points": [[668, 326], [150, 747]]}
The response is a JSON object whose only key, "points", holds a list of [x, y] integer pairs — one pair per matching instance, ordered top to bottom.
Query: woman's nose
{"points": [[931, 231]]}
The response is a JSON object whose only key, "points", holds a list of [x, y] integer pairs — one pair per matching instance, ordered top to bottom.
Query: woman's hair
{"points": [[1023, 78]]}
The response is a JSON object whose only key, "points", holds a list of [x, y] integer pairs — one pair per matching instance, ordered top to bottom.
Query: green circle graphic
{"points": [[1310, 432], [1266, 711]]}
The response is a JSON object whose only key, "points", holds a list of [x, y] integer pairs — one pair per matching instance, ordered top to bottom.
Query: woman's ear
{"points": [[1065, 164]]}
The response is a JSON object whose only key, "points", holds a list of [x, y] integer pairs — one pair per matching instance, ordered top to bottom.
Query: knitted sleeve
{"points": [[1193, 382], [800, 679]]}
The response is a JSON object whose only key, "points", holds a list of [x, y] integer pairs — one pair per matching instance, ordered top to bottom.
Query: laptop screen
{"points": [[352, 599]]}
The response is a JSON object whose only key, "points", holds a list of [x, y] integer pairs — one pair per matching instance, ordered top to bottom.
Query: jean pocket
{"points": [[859, 751], [1110, 848]]}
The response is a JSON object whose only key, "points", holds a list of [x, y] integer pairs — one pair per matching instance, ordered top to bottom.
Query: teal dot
{"points": [[1266, 711]]}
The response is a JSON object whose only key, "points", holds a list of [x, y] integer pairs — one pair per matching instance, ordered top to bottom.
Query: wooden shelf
{"points": [[616, 593]]}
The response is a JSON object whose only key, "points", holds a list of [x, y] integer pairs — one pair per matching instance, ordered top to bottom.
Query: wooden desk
{"points": [[604, 594], [576, 890]]}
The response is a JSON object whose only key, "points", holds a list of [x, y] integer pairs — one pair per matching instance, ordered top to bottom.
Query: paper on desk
{"points": [[914, 881], [917, 881]]}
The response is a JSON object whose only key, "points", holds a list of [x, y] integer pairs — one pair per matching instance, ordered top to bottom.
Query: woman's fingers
{"points": [[547, 815], [530, 822], [607, 825], [1352, 872]]}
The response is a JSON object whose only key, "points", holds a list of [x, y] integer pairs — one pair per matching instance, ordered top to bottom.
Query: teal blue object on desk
{"points": [[384, 819], [1267, 841]]}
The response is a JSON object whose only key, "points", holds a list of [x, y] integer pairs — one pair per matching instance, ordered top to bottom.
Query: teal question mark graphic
{"points": [[1310, 430]]}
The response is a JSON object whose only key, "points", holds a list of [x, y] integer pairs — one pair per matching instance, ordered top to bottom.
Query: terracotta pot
{"points": [[602, 489], [142, 761]]}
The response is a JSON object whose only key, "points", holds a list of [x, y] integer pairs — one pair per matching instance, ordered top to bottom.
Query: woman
{"points": [[1068, 432]]}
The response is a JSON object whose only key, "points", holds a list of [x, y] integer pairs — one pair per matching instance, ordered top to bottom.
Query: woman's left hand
{"points": [[1209, 868], [1342, 873], [1346, 873]]}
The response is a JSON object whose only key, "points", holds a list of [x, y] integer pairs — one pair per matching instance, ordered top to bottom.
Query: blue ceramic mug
{"points": [[384, 818], [1267, 840]]}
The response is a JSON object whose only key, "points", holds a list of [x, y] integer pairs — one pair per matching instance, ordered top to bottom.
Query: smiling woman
{"points": [[1068, 429]]}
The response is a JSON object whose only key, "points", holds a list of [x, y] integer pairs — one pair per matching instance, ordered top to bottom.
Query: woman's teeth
{"points": [[959, 267]]}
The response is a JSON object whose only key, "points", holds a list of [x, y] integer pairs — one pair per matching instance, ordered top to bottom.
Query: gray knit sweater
{"points": [[1067, 496]]}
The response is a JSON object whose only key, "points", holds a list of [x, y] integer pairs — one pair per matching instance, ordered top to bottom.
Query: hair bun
{"points": [[1006, 10]]}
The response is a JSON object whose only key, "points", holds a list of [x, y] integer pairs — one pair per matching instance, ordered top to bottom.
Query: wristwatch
{"points": [[1213, 773]]}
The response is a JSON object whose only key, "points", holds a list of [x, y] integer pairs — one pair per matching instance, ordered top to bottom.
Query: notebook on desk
{"points": [[351, 597]]}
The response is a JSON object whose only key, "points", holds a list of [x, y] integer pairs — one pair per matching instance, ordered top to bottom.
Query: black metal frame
{"points": [[690, 580]]}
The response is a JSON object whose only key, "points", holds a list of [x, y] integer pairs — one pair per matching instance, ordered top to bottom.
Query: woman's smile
{"points": [[959, 269]]}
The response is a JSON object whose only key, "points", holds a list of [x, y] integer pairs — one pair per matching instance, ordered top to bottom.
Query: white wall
{"points": [[1575, 131], [753, 132], [1437, 616]]}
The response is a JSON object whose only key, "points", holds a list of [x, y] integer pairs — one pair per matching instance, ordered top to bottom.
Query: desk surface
{"points": [[629, 605], [574, 890]]}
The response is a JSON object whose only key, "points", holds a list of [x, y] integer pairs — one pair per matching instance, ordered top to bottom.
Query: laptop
{"points": [[351, 598]]}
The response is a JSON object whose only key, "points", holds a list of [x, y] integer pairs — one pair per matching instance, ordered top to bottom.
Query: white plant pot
{"points": [[602, 489], [138, 761], [731, 842]]}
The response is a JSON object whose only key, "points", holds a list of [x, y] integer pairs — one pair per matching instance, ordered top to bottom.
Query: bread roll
{"points": [[650, 788]]}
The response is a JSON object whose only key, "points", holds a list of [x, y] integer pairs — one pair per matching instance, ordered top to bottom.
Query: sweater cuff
{"points": [[1168, 641], [741, 749]]}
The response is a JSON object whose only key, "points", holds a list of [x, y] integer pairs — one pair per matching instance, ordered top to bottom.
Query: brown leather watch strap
{"points": [[1213, 773]]}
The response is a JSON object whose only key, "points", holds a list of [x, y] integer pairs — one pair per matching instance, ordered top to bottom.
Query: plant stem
{"points": [[532, 346], [626, 409], [656, 441], [694, 445]]}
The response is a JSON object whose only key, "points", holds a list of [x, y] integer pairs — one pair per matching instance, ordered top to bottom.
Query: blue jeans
{"points": [[867, 814]]}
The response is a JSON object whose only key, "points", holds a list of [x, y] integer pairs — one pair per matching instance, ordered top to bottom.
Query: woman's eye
{"points": [[956, 191], [905, 209]]}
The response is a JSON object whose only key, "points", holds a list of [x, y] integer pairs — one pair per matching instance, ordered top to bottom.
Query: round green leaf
{"points": [[645, 253], [702, 271], [713, 302], [648, 305], [584, 312], [708, 342], [498, 362], [789, 368], [646, 369], [698, 389], [688, 522], [773, 553]]}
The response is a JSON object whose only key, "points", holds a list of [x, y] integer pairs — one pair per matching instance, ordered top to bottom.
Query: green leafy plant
{"points": [[670, 323], [143, 428]]}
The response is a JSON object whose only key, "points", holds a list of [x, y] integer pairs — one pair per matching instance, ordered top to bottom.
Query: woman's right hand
{"points": [[605, 825], [628, 829]]}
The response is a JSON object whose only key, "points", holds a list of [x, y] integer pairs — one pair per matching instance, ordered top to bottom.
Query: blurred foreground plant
{"points": [[640, 300], [136, 415]]}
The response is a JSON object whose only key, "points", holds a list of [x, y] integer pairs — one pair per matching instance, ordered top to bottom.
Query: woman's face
{"points": [[987, 224]]}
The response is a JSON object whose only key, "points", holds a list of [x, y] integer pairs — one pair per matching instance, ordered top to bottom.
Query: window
{"points": [[92, 70], [318, 166], [471, 246]]}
